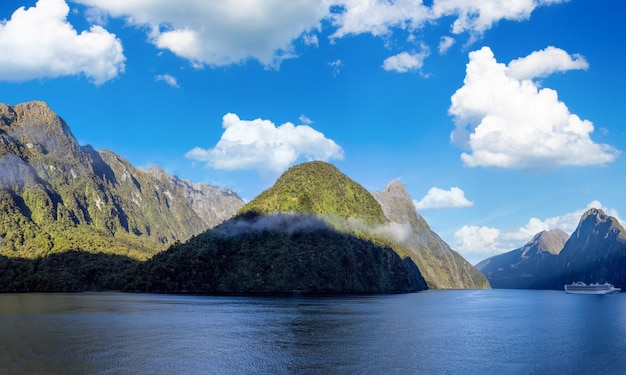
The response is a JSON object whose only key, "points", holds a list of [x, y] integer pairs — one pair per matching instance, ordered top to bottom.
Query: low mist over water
{"points": [[443, 332]]}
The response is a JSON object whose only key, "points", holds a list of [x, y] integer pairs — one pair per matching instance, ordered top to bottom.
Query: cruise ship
{"points": [[595, 288]]}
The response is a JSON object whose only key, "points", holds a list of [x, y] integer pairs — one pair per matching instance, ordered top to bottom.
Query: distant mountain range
{"points": [[73, 218], [595, 252]]}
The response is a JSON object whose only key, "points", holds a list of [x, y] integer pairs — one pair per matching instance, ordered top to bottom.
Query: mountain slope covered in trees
{"points": [[56, 195], [314, 231]]}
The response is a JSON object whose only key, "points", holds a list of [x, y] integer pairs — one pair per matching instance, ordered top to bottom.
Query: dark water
{"points": [[435, 332]]}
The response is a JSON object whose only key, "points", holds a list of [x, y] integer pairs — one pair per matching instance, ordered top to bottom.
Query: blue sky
{"points": [[501, 118]]}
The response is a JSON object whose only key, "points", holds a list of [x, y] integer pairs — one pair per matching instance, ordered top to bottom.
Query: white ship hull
{"points": [[596, 288]]}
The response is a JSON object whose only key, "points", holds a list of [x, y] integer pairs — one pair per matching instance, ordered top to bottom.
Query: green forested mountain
{"points": [[318, 188], [56, 195], [74, 218], [314, 231], [442, 267]]}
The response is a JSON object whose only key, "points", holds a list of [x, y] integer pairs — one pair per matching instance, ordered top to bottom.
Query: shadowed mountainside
{"points": [[312, 231], [595, 252], [280, 253], [531, 266]]}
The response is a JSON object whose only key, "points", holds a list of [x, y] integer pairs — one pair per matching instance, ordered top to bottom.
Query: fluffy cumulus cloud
{"points": [[218, 33], [38, 42], [405, 61], [545, 62], [507, 122], [261, 145], [440, 198], [472, 241], [477, 243]]}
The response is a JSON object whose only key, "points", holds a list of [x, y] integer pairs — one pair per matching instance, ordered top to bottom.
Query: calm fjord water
{"points": [[434, 332]]}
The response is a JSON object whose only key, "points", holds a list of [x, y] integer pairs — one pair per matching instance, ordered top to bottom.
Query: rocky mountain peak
{"points": [[36, 126], [396, 187], [396, 202], [596, 214], [596, 222], [550, 241], [441, 266]]}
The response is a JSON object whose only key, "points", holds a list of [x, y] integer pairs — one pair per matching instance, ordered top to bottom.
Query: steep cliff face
{"points": [[56, 195], [595, 252], [531, 266], [442, 267]]}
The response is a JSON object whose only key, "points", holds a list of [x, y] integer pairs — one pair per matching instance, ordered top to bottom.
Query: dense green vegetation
{"points": [[318, 188], [56, 195], [73, 218], [326, 242], [251, 254], [279, 254], [71, 271]]}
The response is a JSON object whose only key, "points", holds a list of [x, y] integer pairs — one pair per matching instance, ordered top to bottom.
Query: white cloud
{"points": [[478, 16], [377, 17], [218, 33], [310, 40], [38, 42], [444, 44], [405, 62], [545, 62], [336, 66], [170, 80], [305, 120], [505, 122], [259, 144], [440, 198], [566, 222], [473, 240], [479, 243]]}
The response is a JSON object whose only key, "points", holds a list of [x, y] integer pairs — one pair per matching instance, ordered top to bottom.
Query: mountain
{"points": [[318, 188], [56, 195], [314, 231], [595, 252], [442, 267], [528, 267]]}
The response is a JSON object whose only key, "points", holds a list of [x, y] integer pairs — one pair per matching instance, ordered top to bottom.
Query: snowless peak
{"points": [[395, 186]]}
